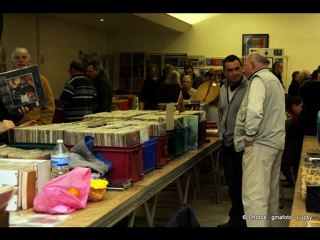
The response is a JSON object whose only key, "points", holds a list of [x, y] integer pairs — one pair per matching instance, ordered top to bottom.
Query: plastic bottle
{"points": [[60, 160]]}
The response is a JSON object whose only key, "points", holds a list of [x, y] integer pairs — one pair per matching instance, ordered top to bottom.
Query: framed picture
{"points": [[254, 41], [278, 52], [278, 60], [209, 61], [216, 62], [270, 62], [21, 87]]}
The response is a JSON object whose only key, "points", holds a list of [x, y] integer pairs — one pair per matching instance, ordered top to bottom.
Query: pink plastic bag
{"points": [[55, 198]]}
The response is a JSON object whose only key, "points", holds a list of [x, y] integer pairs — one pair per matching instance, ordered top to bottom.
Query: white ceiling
{"points": [[115, 22]]}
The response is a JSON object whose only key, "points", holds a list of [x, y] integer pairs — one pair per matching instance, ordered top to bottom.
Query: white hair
{"points": [[20, 50]]}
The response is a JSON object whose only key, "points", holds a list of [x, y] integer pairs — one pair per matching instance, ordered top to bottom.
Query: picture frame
{"points": [[254, 41], [278, 52], [278, 59], [209, 61], [216, 62], [271, 62], [21, 87]]}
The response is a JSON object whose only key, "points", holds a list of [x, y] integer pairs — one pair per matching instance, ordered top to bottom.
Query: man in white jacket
{"points": [[260, 131]]}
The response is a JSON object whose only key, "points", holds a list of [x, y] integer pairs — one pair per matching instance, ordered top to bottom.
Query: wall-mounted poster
{"points": [[254, 41], [278, 52], [278, 59], [208, 61], [216, 61], [21, 87]]}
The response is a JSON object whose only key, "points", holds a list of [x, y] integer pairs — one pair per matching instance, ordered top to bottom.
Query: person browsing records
{"points": [[20, 58], [79, 96]]}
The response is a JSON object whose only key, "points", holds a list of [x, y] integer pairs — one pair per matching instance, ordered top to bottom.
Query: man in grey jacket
{"points": [[231, 95], [260, 132]]}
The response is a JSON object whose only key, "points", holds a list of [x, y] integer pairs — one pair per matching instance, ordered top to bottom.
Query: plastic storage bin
{"points": [[121, 104], [202, 133], [186, 138], [178, 141], [172, 143], [162, 151], [149, 154], [127, 163]]}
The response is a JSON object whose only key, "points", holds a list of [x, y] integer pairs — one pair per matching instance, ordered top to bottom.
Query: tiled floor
{"points": [[206, 210]]}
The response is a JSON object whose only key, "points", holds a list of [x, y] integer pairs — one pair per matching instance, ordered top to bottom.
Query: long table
{"points": [[117, 205], [298, 210]]}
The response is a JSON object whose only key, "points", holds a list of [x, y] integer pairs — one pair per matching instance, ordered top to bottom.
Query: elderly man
{"points": [[187, 88], [42, 115], [260, 132]]}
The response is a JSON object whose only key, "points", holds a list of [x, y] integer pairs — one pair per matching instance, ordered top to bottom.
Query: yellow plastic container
{"points": [[98, 188]]}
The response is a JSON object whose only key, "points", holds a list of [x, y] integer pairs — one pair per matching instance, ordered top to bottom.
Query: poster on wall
{"points": [[254, 41], [268, 51]]}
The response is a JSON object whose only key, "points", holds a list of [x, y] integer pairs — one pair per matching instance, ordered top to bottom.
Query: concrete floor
{"points": [[206, 210]]}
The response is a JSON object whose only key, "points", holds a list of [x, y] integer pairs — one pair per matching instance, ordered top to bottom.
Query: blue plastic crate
{"points": [[149, 154]]}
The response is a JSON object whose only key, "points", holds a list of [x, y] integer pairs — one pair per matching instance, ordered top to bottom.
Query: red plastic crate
{"points": [[120, 104], [202, 133], [162, 151], [127, 163]]}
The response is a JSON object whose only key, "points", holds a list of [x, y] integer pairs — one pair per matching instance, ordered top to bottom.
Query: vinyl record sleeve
{"points": [[21, 87]]}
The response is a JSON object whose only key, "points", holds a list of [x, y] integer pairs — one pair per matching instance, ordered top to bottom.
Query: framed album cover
{"points": [[254, 41], [21, 87]]}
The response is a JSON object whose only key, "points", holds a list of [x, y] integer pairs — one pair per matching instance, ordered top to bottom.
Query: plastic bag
{"points": [[84, 155], [56, 196]]}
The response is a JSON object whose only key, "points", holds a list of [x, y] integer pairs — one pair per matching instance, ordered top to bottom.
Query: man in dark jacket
{"points": [[102, 84], [79, 94], [231, 95]]}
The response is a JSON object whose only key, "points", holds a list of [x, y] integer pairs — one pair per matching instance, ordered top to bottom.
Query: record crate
{"points": [[120, 104], [202, 133], [178, 141], [162, 151], [149, 154], [127, 163]]}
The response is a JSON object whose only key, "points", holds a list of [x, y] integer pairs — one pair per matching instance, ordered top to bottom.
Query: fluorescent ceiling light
{"points": [[192, 18]]}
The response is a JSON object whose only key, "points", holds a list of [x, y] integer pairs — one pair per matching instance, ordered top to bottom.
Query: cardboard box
{"points": [[12, 172]]}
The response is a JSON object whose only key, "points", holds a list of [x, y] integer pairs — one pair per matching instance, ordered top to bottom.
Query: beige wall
{"points": [[221, 35], [58, 42]]}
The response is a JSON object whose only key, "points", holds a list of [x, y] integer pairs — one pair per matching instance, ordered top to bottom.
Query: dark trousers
{"points": [[232, 163]]}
